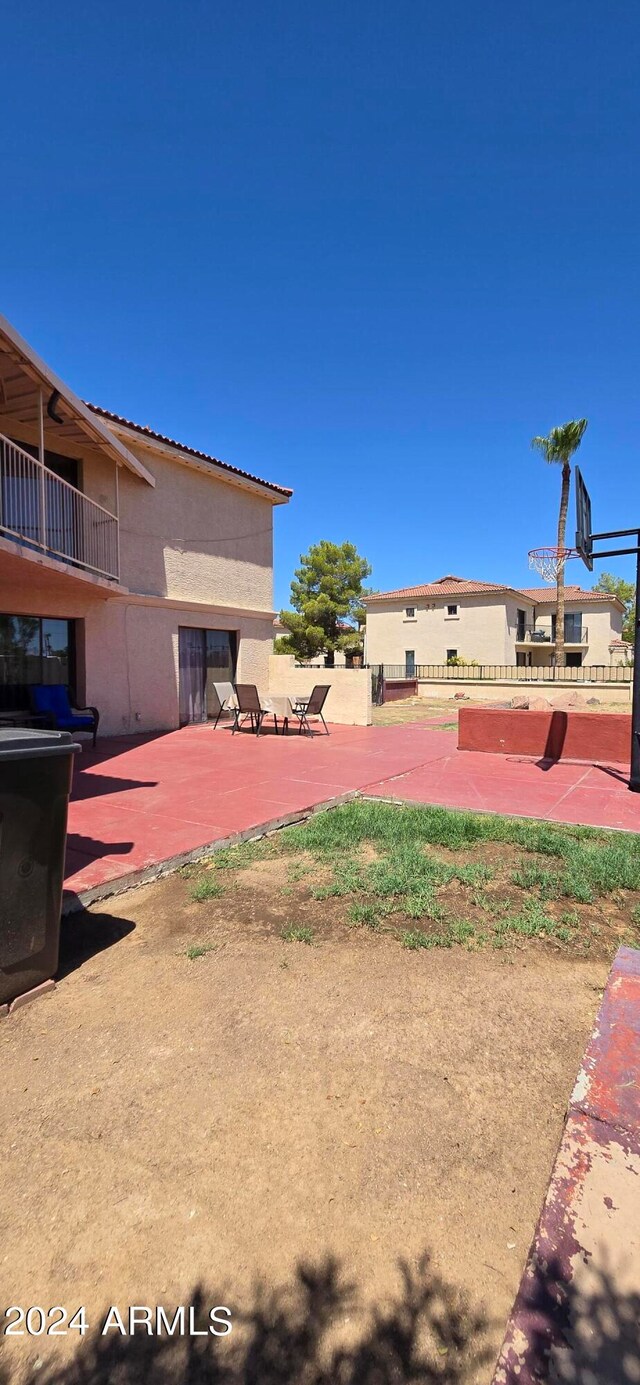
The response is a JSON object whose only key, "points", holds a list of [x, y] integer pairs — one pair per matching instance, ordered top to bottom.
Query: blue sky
{"points": [[366, 250]]}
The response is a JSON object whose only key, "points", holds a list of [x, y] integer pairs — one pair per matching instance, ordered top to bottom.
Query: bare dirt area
{"points": [[446, 709], [202, 1103]]}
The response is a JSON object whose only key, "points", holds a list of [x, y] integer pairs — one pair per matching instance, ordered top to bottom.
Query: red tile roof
{"points": [[189, 451], [443, 586], [464, 586], [547, 595]]}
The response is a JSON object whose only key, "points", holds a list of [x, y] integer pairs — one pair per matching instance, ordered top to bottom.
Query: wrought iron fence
{"points": [[43, 511], [535, 673]]}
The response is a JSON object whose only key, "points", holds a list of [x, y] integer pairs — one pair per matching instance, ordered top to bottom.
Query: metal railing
{"points": [[41, 510], [544, 633], [536, 673]]}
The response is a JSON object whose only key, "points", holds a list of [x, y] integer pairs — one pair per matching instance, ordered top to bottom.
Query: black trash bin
{"points": [[35, 780]]}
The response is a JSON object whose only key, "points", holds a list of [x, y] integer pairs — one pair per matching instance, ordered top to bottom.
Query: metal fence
{"points": [[43, 511], [541, 673]]}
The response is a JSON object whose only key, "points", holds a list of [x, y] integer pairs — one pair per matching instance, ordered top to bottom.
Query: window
{"points": [[452, 610], [410, 612], [521, 620], [573, 627], [35, 649], [451, 654], [573, 660], [409, 663]]}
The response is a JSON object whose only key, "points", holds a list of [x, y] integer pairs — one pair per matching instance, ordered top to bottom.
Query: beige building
{"points": [[132, 567], [456, 618]]}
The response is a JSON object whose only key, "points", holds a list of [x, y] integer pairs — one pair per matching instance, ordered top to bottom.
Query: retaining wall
{"points": [[546, 735]]}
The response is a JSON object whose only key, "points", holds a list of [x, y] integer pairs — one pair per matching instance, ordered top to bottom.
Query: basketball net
{"points": [[548, 562]]}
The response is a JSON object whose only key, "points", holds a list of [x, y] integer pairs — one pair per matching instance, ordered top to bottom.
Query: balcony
{"points": [[45, 513], [544, 632]]}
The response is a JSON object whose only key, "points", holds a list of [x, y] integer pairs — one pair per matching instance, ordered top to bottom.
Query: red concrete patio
{"points": [[138, 802]]}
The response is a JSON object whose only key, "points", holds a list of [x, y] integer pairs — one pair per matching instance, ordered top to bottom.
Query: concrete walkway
{"points": [[142, 801], [577, 1314]]}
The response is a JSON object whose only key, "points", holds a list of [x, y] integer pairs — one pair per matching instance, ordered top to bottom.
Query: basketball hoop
{"points": [[548, 562]]}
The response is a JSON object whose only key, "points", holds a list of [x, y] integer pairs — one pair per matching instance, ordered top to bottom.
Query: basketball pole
{"points": [[634, 774], [634, 777]]}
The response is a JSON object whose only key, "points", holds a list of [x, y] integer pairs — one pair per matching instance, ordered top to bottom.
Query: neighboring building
{"points": [[131, 566], [456, 618]]}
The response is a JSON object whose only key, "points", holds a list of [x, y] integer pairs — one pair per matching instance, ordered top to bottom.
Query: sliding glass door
{"points": [[206, 657]]}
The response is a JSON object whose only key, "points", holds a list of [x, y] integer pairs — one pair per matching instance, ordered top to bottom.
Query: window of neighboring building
{"points": [[452, 610], [409, 612], [521, 621], [36, 649], [451, 654], [573, 660], [409, 663]]}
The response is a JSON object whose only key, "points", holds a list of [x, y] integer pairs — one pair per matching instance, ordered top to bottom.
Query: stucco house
{"points": [[132, 567], [456, 617]]}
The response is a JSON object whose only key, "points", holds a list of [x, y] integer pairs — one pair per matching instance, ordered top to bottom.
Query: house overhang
{"points": [[24, 378]]}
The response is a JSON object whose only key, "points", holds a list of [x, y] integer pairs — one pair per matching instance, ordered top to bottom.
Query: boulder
{"points": [[460, 697], [520, 701], [593, 702], [540, 704]]}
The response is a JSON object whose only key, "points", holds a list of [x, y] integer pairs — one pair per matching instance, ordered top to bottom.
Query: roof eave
{"points": [[90, 424]]}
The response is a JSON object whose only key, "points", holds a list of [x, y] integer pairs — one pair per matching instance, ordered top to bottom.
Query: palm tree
{"points": [[559, 446]]}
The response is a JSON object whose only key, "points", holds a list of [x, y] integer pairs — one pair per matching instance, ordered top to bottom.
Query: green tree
{"points": [[559, 447], [626, 593], [326, 595]]}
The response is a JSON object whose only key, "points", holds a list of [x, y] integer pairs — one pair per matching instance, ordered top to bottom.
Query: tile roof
{"points": [[189, 451], [443, 586], [464, 586], [547, 595]]}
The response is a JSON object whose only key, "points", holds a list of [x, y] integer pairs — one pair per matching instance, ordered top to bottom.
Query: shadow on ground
{"points": [[84, 935], [428, 1332], [575, 1333]]}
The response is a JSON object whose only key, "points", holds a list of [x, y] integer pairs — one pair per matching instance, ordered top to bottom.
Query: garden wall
{"points": [[500, 690], [348, 703], [546, 735]]}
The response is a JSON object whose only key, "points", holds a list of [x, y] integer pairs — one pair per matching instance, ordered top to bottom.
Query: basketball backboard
{"points": [[584, 538]]}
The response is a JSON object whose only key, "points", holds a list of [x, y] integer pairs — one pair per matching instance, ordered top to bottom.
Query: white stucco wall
{"points": [[484, 629], [480, 630], [128, 651], [348, 703]]}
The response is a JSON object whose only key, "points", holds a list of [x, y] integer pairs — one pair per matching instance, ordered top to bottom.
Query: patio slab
{"points": [[143, 801]]}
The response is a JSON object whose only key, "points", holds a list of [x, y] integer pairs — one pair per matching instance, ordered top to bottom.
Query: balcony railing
{"points": [[46, 513], [542, 633]]}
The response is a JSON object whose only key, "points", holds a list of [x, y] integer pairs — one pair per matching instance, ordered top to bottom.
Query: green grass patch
{"points": [[207, 887], [365, 915], [296, 933], [198, 950]]}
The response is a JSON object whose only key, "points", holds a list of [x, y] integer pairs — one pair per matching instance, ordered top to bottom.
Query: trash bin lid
{"points": [[20, 742]]}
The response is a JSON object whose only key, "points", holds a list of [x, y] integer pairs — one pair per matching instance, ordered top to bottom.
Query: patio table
{"points": [[283, 705]]}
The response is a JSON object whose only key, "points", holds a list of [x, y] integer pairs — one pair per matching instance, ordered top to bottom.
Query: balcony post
{"points": [[43, 487], [118, 521]]}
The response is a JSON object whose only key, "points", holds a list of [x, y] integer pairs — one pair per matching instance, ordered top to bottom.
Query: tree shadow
{"points": [[574, 1327], [426, 1332]]}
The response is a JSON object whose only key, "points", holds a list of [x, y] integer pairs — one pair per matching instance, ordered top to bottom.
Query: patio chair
{"points": [[220, 698], [53, 701], [249, 705], [312, 707]]}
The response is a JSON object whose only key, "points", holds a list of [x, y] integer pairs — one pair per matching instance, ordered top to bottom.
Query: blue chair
{"points": [[52, 700]]}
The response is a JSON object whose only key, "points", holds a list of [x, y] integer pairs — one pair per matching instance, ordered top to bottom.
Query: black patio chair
{"points": [[249, 706], [312, 707]]}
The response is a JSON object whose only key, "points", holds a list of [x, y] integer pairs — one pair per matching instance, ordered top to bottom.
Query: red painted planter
{"points": [[546, 735]]}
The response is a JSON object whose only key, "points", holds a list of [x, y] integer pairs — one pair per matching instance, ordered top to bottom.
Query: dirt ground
{"points": [[428, 708], [273, 1117]]}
